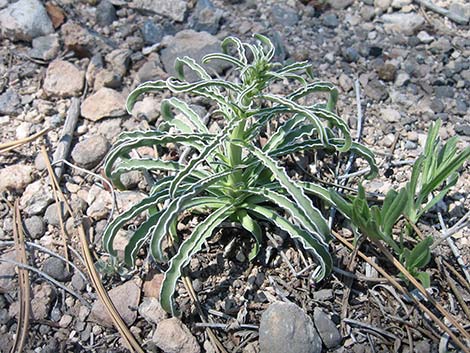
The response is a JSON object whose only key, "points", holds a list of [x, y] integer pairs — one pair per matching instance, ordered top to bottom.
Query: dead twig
{"points": [[63, 147], [59, 209], [361, 277], [462, 280], [23, 281], [348, 283], [453, 286], [423, 291], [374, 329]]}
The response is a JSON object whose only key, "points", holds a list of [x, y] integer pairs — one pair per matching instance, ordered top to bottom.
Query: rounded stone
{"points": [[63, 79], [89, 153], [34, 226], [55, 268], [285, 327]]}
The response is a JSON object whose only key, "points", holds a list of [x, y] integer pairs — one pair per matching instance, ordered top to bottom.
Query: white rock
{"points": [[398, 4], [383, 5], [175, 9], [406, 23], [424, 37], [63, 79], [402, 79], [104, 103], [148, 108], [390, 115], [23, 130], [15, 177], [36, 198], [151, 310], [172, 336]]}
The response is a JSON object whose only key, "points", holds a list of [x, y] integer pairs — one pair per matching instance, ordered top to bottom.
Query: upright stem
{"points": [[235, 153]]}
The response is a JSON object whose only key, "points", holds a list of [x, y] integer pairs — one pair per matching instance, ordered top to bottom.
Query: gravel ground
{"points": [[407, 65]]}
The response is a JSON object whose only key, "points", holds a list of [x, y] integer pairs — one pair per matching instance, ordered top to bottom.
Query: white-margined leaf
{"points": [[180, 63], [151, 86], [319, 86], [184, 108], [295, 191], [174, 208], [306, 221], [145, 230], [309, 242], [188, 248]]}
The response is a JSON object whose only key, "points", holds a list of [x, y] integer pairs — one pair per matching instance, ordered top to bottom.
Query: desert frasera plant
{"points": [[232, 176]]}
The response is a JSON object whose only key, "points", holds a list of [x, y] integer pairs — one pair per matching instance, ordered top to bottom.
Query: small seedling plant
{"points": [[433, 175], [232, 176]]}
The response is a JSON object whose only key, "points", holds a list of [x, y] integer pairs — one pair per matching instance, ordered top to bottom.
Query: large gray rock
{"points": [[174, 9], [105, 13], [284, 15], [25, 20], [193, 44], [88, 153], [51, 216], [34, 226], [8, 272], [285, 327], [327, 329], [172, 336]]}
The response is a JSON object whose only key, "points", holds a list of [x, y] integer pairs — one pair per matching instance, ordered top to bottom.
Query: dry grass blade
{"points": [[8, 146], [95, 278], [462, 280], [23, 282], [422, 290], [455, 290], [404, 291]]}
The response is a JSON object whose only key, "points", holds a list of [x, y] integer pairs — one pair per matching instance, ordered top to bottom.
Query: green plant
{"points": [[434, 171], [232, 177], [376, 223]]}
